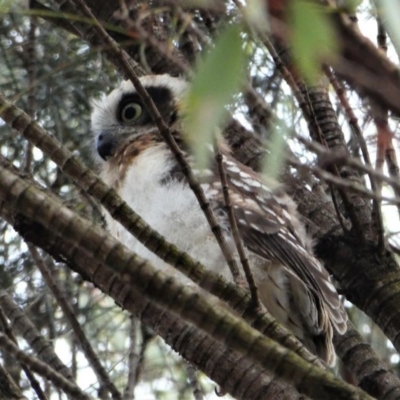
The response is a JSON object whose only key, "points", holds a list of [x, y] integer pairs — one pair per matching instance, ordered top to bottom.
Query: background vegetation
{"points": [[316, 107]]}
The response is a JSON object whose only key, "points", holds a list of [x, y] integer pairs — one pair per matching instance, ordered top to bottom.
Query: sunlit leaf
{"points": [[5, 5], [351, 5], [390, 11], [256, 14], [312, 37], [218, 78], [275, 157]]}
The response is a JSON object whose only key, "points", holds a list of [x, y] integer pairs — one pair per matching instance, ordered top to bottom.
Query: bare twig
{"points": [[148, 39], [31, 67], [353, 122], [328, 156], [340, 182], [235, 231], [24, 326], [84, 343], [133, 360], [43, 369], [32, 379], [194, 382]]}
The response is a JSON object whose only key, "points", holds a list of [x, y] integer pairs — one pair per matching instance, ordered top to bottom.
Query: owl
{"points": [[133, 158]]}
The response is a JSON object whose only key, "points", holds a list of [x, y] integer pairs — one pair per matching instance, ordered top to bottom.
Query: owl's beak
{"points": [[105, 144]]}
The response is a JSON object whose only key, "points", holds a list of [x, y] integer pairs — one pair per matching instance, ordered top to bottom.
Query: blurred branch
{"points": [[24, 326], [84, 343], [134, 361], [43, 369], [373, 375], [31, 377], [8, 388]]}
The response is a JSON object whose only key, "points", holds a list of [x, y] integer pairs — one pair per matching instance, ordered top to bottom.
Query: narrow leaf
{"points": [[312, 37], [218, 78], [274, 160]]}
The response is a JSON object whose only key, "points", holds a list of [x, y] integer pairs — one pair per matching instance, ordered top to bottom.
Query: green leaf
{"points": [[350, 5], [5, 6], [389, 11], [256, 15], [312, 37], [218, 78], [274, 160]]}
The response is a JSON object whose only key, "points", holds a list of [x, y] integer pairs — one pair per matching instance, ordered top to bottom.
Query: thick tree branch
{"points": [[169, 294]]}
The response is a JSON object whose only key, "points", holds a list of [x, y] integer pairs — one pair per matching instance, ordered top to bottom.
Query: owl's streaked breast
{"points": [[142, 178]]}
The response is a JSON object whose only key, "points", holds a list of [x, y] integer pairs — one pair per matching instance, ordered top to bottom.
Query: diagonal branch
{"points": [[167, 293], [25, 327], [85, 345], [215, 363], [43, 369]]}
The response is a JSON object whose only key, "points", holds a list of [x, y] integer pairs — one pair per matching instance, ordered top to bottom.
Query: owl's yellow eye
{"points": [[130, 112]]}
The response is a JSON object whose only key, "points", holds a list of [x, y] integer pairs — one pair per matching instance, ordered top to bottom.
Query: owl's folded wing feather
{"points": [[266, 224]]}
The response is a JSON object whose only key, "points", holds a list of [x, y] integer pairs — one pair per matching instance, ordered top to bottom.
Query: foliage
{"points": [[310, 46], [52, 73], [217, 80]]}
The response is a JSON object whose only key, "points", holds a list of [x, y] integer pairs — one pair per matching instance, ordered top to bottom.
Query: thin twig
{"points": [[31, 68], [309, 115], [331, 156], [341, 183], [235, 231], [25, 327], [147, 336], [84, 343], [133, 360], [43, 369], [31, 377], [194, 382]]}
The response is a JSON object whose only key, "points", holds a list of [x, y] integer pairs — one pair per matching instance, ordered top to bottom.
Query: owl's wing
{"points": [[267, 223]]}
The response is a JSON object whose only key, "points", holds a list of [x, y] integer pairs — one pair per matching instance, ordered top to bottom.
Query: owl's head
{"points": [[122, 115]]}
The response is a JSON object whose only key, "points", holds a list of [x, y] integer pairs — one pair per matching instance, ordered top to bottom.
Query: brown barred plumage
{"points": [[293, 284]]}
